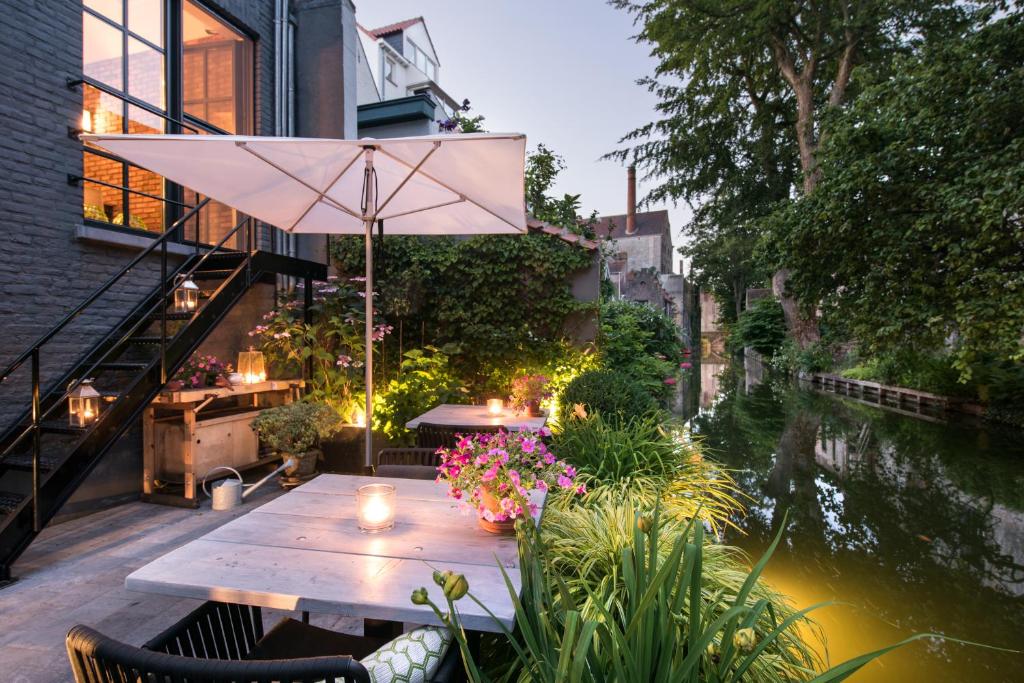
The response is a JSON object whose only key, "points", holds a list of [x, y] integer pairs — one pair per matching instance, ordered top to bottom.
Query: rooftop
{"points": [[392, 28], [647, 223]]}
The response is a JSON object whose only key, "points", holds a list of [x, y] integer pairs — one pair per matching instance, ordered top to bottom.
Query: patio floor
{"points": [[74, 574]]}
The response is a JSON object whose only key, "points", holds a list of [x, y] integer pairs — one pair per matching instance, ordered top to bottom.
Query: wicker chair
{"points": [[444, 436], [407, 463], [223, 642], [98, 659]]}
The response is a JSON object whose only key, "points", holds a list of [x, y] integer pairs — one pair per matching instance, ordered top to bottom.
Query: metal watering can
{"points": [[229, 493]]}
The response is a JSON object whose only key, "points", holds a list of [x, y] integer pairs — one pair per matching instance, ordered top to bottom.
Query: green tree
{"points": [[744, 87], [542, 169], [920, 198]]}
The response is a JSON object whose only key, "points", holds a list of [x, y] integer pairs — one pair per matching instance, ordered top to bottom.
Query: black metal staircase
{"points": [[42, 458]]}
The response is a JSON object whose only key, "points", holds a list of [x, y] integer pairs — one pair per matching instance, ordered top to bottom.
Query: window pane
{"points": [[111, 9], [146, 18], [101, 51], [215, 71], [145, 73], [101, 113], [143, 122], [101, 203], [145, 213]]}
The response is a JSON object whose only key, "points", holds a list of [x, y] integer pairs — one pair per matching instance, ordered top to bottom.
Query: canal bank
{"points": [[917, 526]]}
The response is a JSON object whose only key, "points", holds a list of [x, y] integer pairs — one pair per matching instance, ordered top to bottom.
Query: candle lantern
{"points": [[186, 295], [252, 366], [83, 404], [495, 406], [375, 507]]}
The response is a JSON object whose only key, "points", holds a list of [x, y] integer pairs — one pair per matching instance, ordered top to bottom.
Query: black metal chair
{"points": [[446, 436], [407, 463], [225, 642], [96, 658]]}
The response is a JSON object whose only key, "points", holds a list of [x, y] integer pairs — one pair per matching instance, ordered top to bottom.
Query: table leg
{"points": [[148, 449], [189, 465]]}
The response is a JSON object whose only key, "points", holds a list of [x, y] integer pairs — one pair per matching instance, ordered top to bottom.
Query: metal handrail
{"points": [[99, 291]]}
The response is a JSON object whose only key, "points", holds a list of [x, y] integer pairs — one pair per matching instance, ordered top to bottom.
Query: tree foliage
{"points": [[743, 89], [542, 169], [919, 206]]}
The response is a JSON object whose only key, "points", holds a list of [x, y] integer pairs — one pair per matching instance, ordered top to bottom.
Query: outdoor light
{"points": [[86, 121], [186, 295], [252, 366], [83, 404], [495, 406], [360, 416], [375, 506]]}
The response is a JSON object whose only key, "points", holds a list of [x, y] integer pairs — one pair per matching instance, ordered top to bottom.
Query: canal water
{"points": [[911, 525]]}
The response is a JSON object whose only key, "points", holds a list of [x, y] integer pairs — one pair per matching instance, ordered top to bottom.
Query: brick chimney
{"points": [[631, 200]]}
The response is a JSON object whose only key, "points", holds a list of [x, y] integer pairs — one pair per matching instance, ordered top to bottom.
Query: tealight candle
{"points": [[495, 406], [375, 507]]}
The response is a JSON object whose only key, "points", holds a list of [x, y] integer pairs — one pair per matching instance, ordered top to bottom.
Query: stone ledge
{"points": [[125, 240]]}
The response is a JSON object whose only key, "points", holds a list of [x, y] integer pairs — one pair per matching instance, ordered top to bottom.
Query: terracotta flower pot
{"points": [[533, 409], [304, 469], [494, 505]]}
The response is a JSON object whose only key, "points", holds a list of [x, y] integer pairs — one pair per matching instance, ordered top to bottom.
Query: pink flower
{"points": [[685, 365], [670, 381], [544, 431], [481, 459], [549, 459], [570, 471], [491, 474], [514, 477], [564, 481], [542, 485], [581, 489]]}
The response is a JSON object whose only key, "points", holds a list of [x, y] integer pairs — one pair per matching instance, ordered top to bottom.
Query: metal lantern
{"points": [[186, 296], [251, 366], [83, 404]]}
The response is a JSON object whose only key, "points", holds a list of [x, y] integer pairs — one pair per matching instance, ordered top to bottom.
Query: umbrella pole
{"points": [[369, 344]]}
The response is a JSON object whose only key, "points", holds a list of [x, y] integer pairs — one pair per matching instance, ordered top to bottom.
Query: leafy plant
{"points": [[761, 327], [334, 341], [426, 381], [527, 389], [615, 395], [297, 427], [643, 462], [662, 617]]}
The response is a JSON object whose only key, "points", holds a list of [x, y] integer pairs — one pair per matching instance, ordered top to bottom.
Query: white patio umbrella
{"points": [[433, 185]]}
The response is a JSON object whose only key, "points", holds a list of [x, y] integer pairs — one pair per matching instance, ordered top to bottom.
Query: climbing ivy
{"points": [[496, 303]]}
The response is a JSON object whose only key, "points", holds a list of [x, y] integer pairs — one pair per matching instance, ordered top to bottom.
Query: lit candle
{"points": [[495, 406], [375, 506]]}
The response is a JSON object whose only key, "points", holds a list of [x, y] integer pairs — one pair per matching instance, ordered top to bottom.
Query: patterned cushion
{"points": [[412, 657]]}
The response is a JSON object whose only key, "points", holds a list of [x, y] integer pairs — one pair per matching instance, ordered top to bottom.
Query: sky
{"points": [[561, 71]]}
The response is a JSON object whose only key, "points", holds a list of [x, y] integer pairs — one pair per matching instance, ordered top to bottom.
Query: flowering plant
{"points": [[333, 341], [203, 371], [527, 389], [494, 472]]}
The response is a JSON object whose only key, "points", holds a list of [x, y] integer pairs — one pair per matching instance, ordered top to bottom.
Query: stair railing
{"points": [[32, 354]]}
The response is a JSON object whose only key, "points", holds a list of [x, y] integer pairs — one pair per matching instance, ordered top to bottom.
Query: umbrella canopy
{"points": [[432, 185]]}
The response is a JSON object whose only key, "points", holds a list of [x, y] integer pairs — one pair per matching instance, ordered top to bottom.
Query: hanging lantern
{"points": [[186, 295], [252, 366], [83, 404]]}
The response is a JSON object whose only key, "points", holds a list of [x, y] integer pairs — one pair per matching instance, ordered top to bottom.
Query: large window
{"points": [[422, 61], [125, 65]]}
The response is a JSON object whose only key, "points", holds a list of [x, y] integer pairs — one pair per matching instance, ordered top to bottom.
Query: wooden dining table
{"points": [[476, 416], [303, 551]]}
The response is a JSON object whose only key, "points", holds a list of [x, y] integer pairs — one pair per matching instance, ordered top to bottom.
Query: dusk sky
{"points": [[564, 73]]}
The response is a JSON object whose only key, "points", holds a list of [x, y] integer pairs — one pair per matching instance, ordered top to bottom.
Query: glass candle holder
{"points": [[495, 406], [375, 507]]}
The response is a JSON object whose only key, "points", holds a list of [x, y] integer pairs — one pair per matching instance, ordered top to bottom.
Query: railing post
{"points": [[163, 313], [37, 524]]}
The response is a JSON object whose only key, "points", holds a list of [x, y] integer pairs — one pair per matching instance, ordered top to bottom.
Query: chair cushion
{"points": [[292, 639], [412, 657]]}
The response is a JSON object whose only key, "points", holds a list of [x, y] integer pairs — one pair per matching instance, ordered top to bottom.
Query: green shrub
{"points": [[761, 327], [630, 330], [815, 357], [426, 381], [609, 392], [296, 427], [641, 461]]}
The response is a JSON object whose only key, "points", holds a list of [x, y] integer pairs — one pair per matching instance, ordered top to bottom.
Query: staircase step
{"points": [[212, 274], [173, 316], [147, 340], [122, 367], [60, 427], [23, 461], [9, 502]]}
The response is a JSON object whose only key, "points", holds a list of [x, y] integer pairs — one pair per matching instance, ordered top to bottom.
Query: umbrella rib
{"points": [[433, 148], [451, 189], [323, 195], [338, 205], [425, 208]]}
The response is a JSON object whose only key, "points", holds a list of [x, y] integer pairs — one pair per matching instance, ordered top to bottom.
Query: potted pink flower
{"points": [[201, 371], [527, 393], [494, 474]]}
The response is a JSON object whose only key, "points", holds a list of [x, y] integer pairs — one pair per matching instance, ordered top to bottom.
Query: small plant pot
{"points": [[174, 385], [533, 409], [303, 471], [492, 504]]}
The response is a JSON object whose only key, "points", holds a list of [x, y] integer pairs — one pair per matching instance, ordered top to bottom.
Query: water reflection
{"points": [[921, 524]]}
